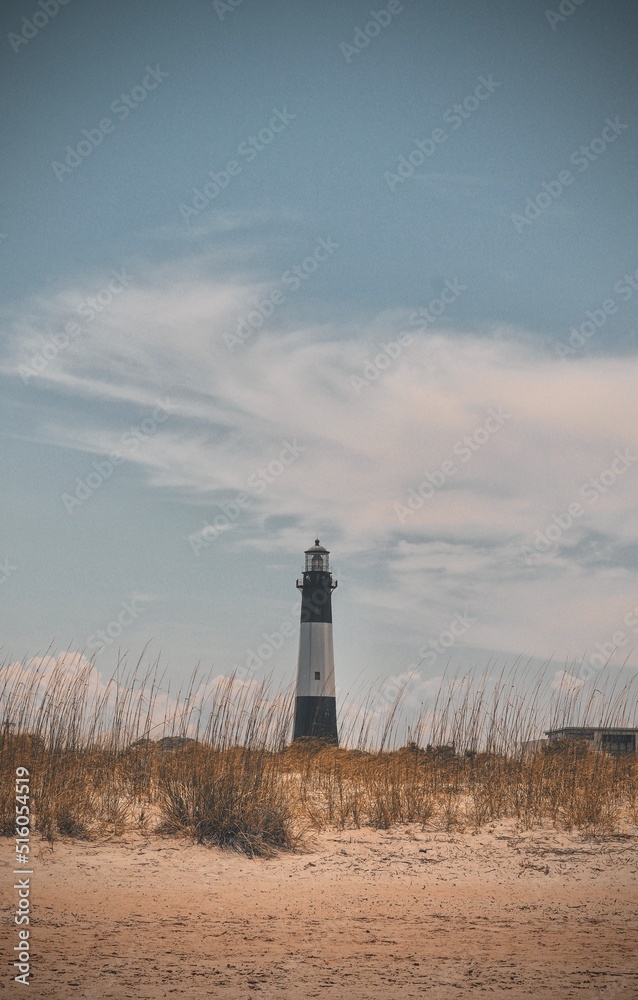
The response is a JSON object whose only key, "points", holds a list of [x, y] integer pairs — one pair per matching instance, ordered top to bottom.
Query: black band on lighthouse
{"points": [[316, 597], [316, 717]]}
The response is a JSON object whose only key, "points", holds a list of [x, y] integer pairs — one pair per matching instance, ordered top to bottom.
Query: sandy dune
{"points": [[364, 914]]}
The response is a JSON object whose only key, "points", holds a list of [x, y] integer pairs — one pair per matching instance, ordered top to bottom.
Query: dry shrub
{"points": [[213, 762], [230, 797]]}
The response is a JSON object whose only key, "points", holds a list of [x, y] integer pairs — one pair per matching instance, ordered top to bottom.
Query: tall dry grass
{"points": [[214, 761]]}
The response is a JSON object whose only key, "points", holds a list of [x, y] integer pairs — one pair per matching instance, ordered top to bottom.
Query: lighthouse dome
{"points": [[317, 547]]}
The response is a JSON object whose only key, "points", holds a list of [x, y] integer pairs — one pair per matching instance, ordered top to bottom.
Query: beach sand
{"points": [[360, 914]]}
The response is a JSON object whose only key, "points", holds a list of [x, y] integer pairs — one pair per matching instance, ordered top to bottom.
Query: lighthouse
{"points": [[315, 704]]}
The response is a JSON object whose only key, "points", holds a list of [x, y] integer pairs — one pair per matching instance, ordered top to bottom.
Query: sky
{"points": [[279, 271]]}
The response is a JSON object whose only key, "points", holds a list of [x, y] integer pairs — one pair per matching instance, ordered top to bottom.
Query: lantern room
{"points": [[317, 559]]}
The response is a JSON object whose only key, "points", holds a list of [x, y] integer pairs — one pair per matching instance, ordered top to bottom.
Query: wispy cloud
{"points": [[220, 222], [163, 337]]}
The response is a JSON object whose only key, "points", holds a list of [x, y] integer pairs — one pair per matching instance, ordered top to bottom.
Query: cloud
{"points": [[225, 222], [362, 454], [566, 683], [29, 689], [60, 695]]}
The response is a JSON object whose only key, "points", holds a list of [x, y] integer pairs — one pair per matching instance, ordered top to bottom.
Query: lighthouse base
{"points": [[316, 718]]}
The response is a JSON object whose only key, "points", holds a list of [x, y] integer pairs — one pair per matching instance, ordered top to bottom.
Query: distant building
{"points": [[610, 739], [532, 746]]}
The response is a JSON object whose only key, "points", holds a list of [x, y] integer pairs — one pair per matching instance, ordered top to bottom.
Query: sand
{"points": [[362, 914]]}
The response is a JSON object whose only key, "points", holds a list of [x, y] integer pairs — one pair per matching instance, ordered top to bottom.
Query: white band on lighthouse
{"points": [[316, 657]]}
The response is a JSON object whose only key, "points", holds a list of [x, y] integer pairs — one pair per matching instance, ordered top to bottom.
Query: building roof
{"points": [[573, 730]]}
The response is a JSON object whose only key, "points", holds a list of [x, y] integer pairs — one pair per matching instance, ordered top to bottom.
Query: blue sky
{"points": [[407, 265]]}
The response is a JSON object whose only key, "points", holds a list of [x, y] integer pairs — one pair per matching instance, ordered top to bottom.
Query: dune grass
{"points": [[214, 762]]}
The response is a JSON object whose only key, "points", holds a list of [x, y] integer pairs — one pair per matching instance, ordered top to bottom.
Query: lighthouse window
{"points": [[317, 562], [317, 675]]}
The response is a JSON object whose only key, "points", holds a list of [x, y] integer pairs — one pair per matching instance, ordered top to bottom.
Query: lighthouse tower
{"points": [[315, 705]]}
